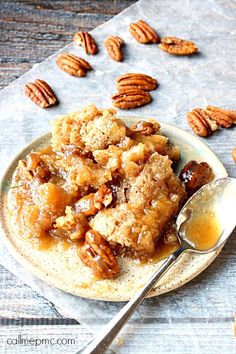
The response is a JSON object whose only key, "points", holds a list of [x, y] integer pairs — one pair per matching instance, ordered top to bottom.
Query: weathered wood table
{"points": [[203, 309]]}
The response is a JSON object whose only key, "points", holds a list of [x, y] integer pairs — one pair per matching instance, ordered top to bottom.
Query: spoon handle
{"points": [[105, 337]]}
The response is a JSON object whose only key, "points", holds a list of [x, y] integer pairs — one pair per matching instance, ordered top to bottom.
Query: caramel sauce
{"points": [[47, 150], [203, 230], [48, 240], [166, 245], [163, 250]]}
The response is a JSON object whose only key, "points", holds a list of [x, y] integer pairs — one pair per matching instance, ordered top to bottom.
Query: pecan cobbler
{"points": [[107, 188]]}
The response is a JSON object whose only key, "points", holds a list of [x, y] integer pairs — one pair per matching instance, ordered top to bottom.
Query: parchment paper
{"points": [[185, 83]]}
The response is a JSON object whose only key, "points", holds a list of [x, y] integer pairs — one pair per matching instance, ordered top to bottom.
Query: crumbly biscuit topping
{"points": [[99, 177]]}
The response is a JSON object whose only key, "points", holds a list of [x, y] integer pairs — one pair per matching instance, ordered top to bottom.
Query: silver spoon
{"points": [[215, 200]]}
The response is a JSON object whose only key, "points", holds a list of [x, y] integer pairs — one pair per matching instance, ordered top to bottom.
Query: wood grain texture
{"points": [[33, 30]]}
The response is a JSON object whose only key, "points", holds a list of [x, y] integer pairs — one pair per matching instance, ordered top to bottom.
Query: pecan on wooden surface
{"points": [[143, 33], [86, 41], [113, 46], [177, 46], [72, 64], [131, 81], [40, 93], [128, 99], [223, 117], [201, 123], [234, 154], [96, 254]]}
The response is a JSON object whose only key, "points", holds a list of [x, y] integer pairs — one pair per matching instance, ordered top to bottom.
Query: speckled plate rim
{"points": [[175, 135]]}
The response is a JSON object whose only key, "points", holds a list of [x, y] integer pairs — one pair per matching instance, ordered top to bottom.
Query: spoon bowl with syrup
{"points": [[207, 219], [203, 225]]}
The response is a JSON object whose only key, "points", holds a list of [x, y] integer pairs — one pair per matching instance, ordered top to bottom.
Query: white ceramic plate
{"points": [[63, 269]]}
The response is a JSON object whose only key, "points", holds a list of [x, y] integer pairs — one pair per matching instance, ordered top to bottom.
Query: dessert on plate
{"points": [[103, 190]]}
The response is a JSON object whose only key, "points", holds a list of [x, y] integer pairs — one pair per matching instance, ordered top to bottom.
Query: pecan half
{"points": [[143, 33], [86, 41], [113, 45], [177, 46], [72, 64], [132, 81], [40, 93], [131, 99], [223, 117], [201, 123], [145, 128], [234, 154], [34, 168], [37, 168], [194, 175], [103, 197], [93, 202], [86, 205], [71, 225], [96, 254]]}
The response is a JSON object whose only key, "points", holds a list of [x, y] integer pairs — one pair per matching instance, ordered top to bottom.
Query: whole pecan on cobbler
{"points": [[143, 33], [85, 39], [113, 46], [178, 46], [72, 64], [138, 81], [40, 93], [127, 99], [223, 117], [201, 123], [145, 128], [34, 169], [194, 175], [90, 204], [96, 254]]}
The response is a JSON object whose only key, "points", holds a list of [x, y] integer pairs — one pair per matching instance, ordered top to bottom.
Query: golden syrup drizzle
{"points": [[203, 230]]}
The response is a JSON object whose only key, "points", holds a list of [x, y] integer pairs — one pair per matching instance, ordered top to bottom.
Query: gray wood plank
{"points": [[31, 31], [18, 300], [216, 338]]}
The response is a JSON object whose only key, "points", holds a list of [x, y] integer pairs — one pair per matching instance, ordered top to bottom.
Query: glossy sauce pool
{"points": [[203, 230]]}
